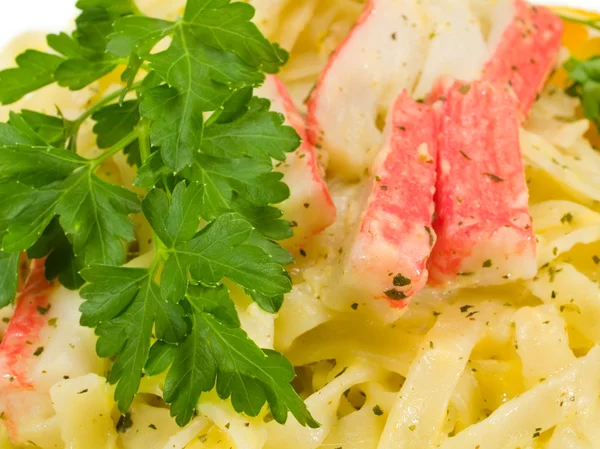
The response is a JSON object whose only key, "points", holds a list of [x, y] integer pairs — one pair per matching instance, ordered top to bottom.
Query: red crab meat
{"points": [[526, 52], [483, 224], [386, 261], [25, 324], [19, 344]]}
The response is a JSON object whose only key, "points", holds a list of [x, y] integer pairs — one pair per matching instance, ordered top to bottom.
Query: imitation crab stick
{"points": [[525, 52], [382, 55], [309, 206], [483, 224], [385, 262], [25, 325], [32, 357], [17, 392]]}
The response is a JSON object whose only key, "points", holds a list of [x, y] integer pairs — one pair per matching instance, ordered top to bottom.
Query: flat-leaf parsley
{"points": [[203, 147]]}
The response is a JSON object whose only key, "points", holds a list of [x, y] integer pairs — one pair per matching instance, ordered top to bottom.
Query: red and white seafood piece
{"points": [[457, 47], [525, 52], [382, 55], [309, 206], [483, 224], [385, 261], [33, 358]]}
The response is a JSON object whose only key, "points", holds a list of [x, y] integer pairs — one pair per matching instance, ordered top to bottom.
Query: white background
{"points": [[18, 16]]}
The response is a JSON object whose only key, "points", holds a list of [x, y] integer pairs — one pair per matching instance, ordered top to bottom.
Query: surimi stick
{"points": [[525, 52], [382, 55], [309, 206], [483, 223], [385, 261], [25, 324], [33, 358], [17, 393]]}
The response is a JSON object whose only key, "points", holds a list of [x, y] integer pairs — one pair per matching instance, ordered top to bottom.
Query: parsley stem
{"points": [[595, 24], [96, 107], [144, 136], [110, 152]]}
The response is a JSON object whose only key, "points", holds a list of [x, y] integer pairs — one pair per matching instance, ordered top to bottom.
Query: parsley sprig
{"points": [[204, 148]]}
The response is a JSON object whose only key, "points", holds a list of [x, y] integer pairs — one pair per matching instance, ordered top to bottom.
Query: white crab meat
{"points": [[457, 47], [382, 55], [309, 207]]}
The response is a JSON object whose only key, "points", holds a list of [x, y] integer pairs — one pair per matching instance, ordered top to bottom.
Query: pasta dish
{"points": [[302, 224]]}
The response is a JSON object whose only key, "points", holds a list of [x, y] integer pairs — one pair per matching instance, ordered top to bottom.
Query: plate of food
{"points": [[334, 224]]}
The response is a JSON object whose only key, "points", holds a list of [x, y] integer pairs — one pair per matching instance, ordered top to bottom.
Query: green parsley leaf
{"points": [[120, 7], [206, 20], [95, 23], [137, 35], [69, 47], [84, 54], [82, 66], [35, 70], [78, 73], [201, 79], [586, 85], [115, 122], [177, 124], [32, 128], [50, 130], [258, 134], [10, 136], [235, 166], [152, 171], [226, 179], [48, 181], [244, 184], [94, 214], [265, 219], [219, 250], [279, 254], [60, 262], [9, 265], [110, 291], [125, 320], [127, 338], [161, 356], [239, 368]]}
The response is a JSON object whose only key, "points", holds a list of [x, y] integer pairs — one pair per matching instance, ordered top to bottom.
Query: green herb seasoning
{"points": [[464, 89], [494, 177], [567, 218], [401, 281], [395, 294], [38, 351], [124, 424]]}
